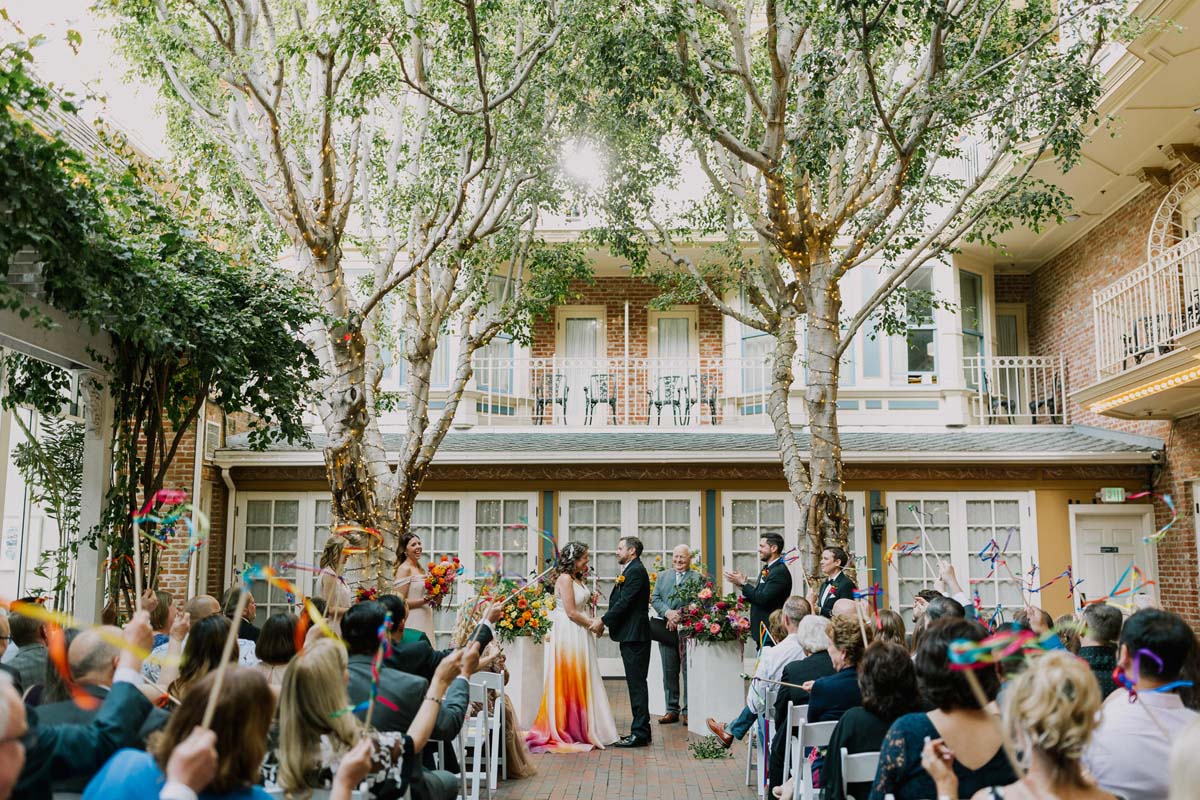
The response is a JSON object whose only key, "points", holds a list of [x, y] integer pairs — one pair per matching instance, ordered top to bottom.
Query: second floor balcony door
{"points": [[580, 356], [673, 377]]}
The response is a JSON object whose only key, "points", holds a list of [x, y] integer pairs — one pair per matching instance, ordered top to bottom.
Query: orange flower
{"points": [[445, 558], [431, 565], [620, 579], [522, 603], [520, 623], [534, 623]]}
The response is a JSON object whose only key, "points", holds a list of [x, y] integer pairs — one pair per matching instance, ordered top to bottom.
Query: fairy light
{"points": [[1147, 390]]}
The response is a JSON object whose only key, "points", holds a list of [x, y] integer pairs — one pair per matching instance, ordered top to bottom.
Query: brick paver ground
{"points": [[666, 770]]}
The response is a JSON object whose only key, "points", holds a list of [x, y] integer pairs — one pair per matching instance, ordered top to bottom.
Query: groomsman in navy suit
{"points": [[837, 584], [772, 588]]}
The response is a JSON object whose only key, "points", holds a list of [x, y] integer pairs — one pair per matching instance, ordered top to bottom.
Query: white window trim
{"points": [[690, 313], [791, 525], [961, 555]]}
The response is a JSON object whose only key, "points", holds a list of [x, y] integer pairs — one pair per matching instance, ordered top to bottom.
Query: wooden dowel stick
{"points": [[137, 567], [226, 652], [1010, 750]]}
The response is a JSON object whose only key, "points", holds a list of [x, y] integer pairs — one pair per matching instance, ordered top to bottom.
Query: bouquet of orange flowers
{"points": [[439, 582], [527, 613]]}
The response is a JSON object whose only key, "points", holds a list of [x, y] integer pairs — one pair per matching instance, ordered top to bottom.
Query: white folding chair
{"points": [[493, 683], [796, 715], [812, 734], [473, 746], [756, 750], [858, 768], [317, 794]]}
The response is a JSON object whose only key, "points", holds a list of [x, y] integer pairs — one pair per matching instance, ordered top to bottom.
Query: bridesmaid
{"points": [[410, 583], [331, 586]]}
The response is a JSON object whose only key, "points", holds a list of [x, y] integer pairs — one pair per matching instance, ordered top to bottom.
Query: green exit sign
{"points": [[1112, 494]]}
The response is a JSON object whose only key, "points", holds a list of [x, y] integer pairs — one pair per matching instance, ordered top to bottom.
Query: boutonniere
{"points": [[765, 573], [620, 579]]}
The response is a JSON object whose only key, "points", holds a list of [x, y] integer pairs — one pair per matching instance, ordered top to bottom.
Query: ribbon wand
{"points": [[918, 516]]}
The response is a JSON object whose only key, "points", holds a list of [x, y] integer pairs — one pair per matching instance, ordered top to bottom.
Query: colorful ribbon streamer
{"points": [[1166, 498], [56, 646], [965, 654]]}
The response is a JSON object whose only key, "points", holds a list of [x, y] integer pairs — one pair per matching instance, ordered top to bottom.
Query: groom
{"points": [[628, 622]]}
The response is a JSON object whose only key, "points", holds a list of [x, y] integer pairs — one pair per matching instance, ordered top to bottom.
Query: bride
{"points": [[574, 715]]}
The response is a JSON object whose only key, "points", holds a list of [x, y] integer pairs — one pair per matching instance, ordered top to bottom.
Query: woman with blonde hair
{"points": [[331, 586], [1050, 709], [317, 729]]}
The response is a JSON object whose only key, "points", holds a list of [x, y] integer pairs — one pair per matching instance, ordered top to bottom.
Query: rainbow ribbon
{"points": [[1166, 498], [183, 512], [546, 536], [901, 548], [874, 592], [56, 646], [965, 654], [1130, 684]]}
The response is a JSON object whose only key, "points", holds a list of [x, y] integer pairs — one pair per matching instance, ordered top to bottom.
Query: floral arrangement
{"points": [[439, 582], [361, 594], [526, 613], [708, 616]]}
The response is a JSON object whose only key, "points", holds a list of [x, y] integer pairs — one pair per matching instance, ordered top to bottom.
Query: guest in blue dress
{"points": [[241, 722], [970, 732]]}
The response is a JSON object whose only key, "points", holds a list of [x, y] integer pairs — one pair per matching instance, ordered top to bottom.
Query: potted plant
{"points": [[714, 628]]}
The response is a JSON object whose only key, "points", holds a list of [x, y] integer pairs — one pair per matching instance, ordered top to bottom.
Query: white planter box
{"points": [[526, 678], [715, 686]]}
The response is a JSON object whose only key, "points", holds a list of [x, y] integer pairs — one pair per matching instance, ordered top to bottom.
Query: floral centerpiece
{"points": [[439, 581], [526, 612], [708, 616]]}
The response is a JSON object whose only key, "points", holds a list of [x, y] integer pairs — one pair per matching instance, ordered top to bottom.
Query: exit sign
{"points": [[1112, 494]]}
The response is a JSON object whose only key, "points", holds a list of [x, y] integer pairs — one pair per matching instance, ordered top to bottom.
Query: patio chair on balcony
{"points": [[1139, 342], [700, 389], [599, 390], [549, 391], [667, 391], [1048, 407]]}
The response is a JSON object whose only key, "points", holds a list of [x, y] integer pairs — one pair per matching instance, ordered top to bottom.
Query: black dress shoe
{"points": [[631, 741]]}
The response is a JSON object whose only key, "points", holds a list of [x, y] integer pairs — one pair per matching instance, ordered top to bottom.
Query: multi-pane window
{"points": [[922, 332], [321, 513], [751, 520], [437, 523], [597, 523], [501, 527], [272, 537], [919, 568], [995, 569]]}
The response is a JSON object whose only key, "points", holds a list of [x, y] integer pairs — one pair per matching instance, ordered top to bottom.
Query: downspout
{"points": [[626, 361], [197, 466], [230, 513]]}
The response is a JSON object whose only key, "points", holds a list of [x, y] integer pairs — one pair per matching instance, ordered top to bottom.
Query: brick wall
{"points": [[1013, 288], [612, 292], [1060, 321]]}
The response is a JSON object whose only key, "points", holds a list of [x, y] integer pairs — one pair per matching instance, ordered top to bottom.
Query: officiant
{"points": [[666, 603]]}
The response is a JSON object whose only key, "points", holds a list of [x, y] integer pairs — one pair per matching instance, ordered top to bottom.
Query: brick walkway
{"points": [[666, 770]]}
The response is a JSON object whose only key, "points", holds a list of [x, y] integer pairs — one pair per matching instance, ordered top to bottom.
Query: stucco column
{"points": [[97, 479]]}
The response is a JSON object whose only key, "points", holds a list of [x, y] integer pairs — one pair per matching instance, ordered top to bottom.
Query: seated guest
{"points": [[919, 607], [196, 609], [163, 616], [246, 627], [775, 627], [891, 628], [1067, 628], [29, 635], [814, 641], [1098, 643], [275, 647], [201, 654], [415, 656], [93, 660], [770, 666], [888, 683], [52, 688], [406, 692], [833, 695], [1051, 709], [241, 722], [970, 732], [314, 734], [53, 752], [1128, 753], [1184, 766]]}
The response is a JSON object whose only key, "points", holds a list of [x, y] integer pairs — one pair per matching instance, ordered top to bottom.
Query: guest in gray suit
{"points": [[667, 607], [360, 627]]}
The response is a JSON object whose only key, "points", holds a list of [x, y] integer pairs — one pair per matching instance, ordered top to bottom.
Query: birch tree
{"points": [[419, 134], [832, 136]]}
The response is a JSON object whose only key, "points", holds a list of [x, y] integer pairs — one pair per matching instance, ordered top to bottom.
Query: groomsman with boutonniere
{"points": [[837, 584], [772, 588], [666, 602]]}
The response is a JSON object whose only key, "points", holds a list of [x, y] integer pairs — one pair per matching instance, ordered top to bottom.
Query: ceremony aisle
{"points": [[664, 771]]}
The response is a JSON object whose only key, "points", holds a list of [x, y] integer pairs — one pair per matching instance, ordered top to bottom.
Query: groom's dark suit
{"points": [[628, 623]]}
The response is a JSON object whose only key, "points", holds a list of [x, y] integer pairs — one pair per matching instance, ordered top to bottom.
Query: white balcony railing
{"points": [[1139, 317], [1018, 390], [662, 392]]}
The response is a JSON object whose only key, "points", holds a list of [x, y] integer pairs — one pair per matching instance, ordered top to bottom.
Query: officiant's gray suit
{"points": [[662, 601]]}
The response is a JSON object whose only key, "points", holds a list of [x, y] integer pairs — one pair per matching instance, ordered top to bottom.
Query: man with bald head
{"points": [[666, 603], [202, 606], [93, 660]]}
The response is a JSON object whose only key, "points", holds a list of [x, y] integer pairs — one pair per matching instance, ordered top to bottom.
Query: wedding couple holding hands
{"points": [[575, 715]]}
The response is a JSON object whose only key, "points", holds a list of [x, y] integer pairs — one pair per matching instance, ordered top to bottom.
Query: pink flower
{"points": [[705, 593], [722, 605], [698, 626], [714, 629]]}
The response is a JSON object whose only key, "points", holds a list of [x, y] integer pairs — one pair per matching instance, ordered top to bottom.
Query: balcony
{"points": [[1148, 339], [1017, 390], [590, 392]]}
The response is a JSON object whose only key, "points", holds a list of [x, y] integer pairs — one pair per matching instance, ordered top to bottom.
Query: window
{"points": [[970, 304], [922, 333], [756, 349], [443, 357], [212, 438], [985, 517], [751, 520], [437, 523], [502, 527], [271, 538]]}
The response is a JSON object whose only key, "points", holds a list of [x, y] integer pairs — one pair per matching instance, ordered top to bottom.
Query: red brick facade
{"points": [[1060, 321]]}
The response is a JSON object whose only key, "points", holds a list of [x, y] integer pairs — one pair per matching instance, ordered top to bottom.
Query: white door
{"points": [[580, 354], [674, 373], [747, 516], [661, 520], [1107, 541]]}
